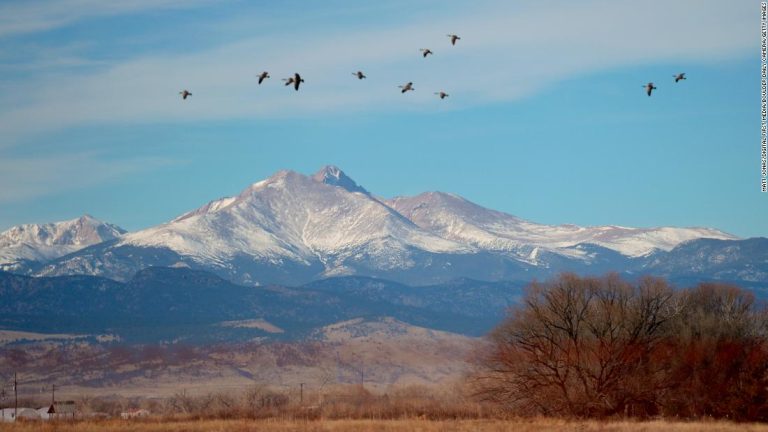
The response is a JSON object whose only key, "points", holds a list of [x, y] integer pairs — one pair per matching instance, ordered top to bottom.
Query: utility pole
{"points": [[301, 393], [53, 394], [15, 397]]}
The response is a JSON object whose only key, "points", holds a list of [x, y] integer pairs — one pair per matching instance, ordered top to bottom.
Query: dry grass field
{"points": [[413, 425]]}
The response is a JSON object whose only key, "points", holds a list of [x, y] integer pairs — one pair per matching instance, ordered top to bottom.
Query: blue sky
{"points": [[546, 120]]}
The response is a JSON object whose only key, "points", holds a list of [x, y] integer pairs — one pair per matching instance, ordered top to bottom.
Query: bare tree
{"points": [[573, 344]]}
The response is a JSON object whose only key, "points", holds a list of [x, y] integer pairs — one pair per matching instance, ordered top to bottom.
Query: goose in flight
{"points": [[454, 38], [426, 51], [359, 75], [262, 76], [680, 76], [296, 80], [407, 87], [649, 88], [184, 94], [442, 94]]}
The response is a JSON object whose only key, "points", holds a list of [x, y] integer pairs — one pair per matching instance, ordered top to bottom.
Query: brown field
{"points": [[415, 425]]}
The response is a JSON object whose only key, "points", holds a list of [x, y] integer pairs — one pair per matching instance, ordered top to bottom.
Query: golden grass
{"points": [[413, 425]]}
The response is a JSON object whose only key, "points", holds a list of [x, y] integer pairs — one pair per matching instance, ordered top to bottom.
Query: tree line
{"points": [[604, 346]]}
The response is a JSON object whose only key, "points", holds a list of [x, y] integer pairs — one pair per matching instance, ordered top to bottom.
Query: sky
{"points": [[547, 118]]}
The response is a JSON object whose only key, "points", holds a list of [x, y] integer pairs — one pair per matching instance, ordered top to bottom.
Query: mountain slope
{"points": [[455, 218], [25, 245], [729, 260], [170, 303]]}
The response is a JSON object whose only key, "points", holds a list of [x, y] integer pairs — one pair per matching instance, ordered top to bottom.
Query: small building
{"points": [[61, 410], [43, 412], [139, 413], [11, 414], [7, 415]]}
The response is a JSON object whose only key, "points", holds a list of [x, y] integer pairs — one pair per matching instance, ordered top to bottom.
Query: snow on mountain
{"points": [[332, 175], [211, 207], [452, 217], [299, 218], [293, 228], [44, 242]]}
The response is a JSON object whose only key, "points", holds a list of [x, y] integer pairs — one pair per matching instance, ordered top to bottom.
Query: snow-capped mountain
{"points": [[452, 217], [297, 218], [302, 227], [292, 228], [23, 245]]}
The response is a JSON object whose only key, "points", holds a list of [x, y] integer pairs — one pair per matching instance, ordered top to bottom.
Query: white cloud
{"points": [[505, 53]]}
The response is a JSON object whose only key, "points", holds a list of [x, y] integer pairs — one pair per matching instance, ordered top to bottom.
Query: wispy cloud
{"points": [[41, 15], [505, 53], [29, 178]]}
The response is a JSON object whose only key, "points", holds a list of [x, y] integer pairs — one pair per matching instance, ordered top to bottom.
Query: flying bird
{"points": [[454, 38], [426, 51], [359, 75], [262, 76], [680, 76], [296, 80], [407, 87], [649, 88], [184, 94], [442, 94]]}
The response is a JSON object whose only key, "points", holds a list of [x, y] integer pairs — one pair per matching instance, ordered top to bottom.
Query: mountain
{"points": [[288, 229], [293, 229], [24, 246], [160, 304]]}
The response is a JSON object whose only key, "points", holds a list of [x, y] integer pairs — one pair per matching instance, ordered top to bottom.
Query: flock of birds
{"points": [[296, 79]]}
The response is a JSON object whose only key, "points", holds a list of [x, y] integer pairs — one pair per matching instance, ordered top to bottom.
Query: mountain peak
{"points": [[330, 171], [334, 176], [43, 242]]}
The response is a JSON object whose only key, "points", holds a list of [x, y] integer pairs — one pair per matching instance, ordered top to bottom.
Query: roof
{"points": [[62, 407]]}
